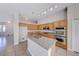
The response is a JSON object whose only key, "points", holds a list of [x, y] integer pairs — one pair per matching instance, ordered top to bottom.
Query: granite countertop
{"points": [[43, 41]]}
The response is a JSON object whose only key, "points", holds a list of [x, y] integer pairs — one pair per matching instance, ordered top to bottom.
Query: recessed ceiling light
{"points": [[55, 6], [51, 9], [32, 12], [44, 12], [38, 15], [26, 18], [9, 22]]}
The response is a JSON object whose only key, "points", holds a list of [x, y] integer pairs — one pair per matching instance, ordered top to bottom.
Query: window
{"points": [[2, 28]]}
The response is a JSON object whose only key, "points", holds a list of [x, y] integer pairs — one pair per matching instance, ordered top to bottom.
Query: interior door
{"points": [[0, 29], [75, 35]]}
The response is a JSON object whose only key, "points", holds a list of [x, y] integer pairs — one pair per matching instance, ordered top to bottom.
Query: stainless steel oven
{"points": [[60, 31], [61, 34], [61, 39]]}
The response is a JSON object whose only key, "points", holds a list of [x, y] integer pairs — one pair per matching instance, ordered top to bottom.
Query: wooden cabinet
{"points": [[61, 23], [56, 24], [50, 25], [41, 26], [32, 27], [48, 35], [59, 44]]}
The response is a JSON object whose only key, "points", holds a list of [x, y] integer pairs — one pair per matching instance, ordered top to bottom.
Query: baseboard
{"points": [[69, 49], [30, 52]]}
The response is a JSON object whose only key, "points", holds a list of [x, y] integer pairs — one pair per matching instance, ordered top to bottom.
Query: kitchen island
{"points": [[41, 46]]}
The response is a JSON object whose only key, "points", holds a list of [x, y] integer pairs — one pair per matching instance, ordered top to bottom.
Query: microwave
{"points": [[60, 31], [61, 34]]}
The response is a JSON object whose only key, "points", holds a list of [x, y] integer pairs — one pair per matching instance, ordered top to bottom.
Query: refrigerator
{"points": [[75, 35]]}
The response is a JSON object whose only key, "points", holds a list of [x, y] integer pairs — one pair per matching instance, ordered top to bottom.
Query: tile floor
{"points": [[7, 49], [19, 50], [63, 52]]}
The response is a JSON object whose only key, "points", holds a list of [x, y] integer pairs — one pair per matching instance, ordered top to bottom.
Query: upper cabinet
{"points": [[61, 23], [56, 24], [48, 26], [51, 26], [32, 27]]}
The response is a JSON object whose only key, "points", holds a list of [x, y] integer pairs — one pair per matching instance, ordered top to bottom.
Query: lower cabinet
{"points": [[59, 44], [35, 49]]}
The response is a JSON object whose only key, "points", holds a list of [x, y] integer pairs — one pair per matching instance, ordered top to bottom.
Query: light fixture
{"points": [[55, 6], [51, 9], [44, 12], [38, 15], [26, 18], [9, 22]]}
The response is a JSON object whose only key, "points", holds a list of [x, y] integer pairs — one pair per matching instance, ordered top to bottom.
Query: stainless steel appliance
{"points": [[60, 31], [61, 34]]}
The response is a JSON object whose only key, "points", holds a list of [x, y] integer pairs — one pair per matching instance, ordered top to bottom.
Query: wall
{"points": [[73, 12], [58, 16], [16, 28]]}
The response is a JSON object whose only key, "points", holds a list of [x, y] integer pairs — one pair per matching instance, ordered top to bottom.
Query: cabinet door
{"points": [[63, 23], [56, 24], [50, 25], [32, 27], [40, 27]]}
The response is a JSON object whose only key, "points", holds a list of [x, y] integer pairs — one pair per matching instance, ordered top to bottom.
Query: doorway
{"points": [[2, 29], [6, 37]]}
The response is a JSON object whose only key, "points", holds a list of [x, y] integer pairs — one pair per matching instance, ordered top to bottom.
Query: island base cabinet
{"points": [[35, 49]]}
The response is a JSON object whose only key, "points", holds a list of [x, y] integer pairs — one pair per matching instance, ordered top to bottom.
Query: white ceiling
{"points": [[28, 10]]}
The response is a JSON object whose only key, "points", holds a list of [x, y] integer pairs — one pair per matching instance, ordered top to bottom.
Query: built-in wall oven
{"points": [[61, 34]]}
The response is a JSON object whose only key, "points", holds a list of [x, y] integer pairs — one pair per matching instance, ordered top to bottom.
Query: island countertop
{"points": [[44, 42]]}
